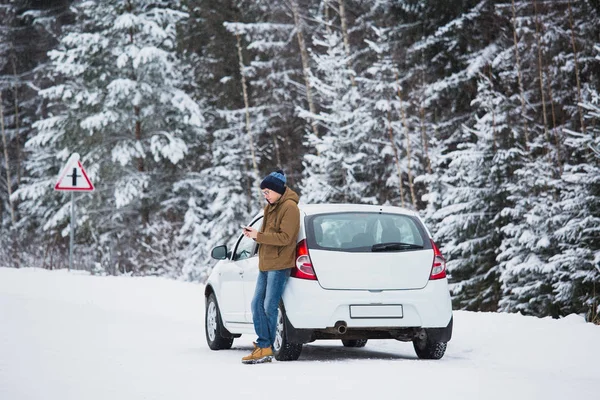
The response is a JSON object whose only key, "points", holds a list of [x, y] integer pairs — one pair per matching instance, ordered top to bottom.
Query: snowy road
{"points": [[70, 336]]}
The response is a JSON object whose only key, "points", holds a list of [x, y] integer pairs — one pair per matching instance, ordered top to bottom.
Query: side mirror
{"points": [[219, 252]]}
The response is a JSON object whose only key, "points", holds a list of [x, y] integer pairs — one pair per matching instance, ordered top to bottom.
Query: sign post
{"points": [[73, 178], [72, 233]]}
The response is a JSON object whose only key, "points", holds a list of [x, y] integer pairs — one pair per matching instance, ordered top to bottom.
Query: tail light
{"points": [[304, 268], [438, 269]]}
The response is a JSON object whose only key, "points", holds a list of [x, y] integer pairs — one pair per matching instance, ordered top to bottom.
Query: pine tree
{"points": [[27, 32], [269, 50], [441, 66], [379, 85], [121, 107], [340, 171], [227, 194], [470, 214], [531, 245], [576, 269]]}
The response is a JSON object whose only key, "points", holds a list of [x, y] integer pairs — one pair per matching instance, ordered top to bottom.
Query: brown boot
{"points": [[259, 355]]}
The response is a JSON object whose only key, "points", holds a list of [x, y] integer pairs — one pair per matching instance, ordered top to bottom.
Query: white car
{"points": [[362, 272]]}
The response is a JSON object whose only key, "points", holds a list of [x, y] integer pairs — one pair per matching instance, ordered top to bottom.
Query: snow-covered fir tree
{"points": [[27, 32], [443, 61], [271, 67], [380, 87], [122, 107], [248, 119], [474, 144], [338, 171], [225, 191], [224, 194], [470, 213], [528, 244], [531, 244], [576, 268]]}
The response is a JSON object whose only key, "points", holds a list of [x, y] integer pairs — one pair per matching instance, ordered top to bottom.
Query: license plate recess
{"points": [[376, 311]]}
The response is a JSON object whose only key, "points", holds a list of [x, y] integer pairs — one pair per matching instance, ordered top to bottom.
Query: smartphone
{"points": [[244, 227]]}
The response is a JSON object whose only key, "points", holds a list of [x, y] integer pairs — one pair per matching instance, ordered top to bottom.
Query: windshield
{"points": [[363, 231]]}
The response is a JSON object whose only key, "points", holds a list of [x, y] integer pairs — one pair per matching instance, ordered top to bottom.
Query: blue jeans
{"points": [[269, 289]]}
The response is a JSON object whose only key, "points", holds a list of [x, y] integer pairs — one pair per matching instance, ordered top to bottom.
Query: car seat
{"points": [[390, 235], [362, 240]]}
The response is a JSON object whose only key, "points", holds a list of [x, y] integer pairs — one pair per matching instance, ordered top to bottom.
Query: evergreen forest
{"points": [[481, 115]]}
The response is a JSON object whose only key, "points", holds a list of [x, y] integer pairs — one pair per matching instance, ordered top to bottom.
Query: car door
{"points": [[244, 261], [250, 274], [231, 299]]}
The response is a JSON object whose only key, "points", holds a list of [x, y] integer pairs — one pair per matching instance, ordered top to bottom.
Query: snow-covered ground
{"points": [[74, 336]]}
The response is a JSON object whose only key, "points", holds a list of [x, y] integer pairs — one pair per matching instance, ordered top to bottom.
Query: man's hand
{"points": [[250, 232]]}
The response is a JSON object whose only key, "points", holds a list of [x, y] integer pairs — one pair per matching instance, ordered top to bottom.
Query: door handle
{"points": [[241, 272]]}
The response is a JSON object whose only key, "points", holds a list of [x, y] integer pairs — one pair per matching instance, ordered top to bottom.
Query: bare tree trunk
{"points": [[326, 16], [346, 37], [518, 60], [305, 67], [541, 70], [246, 104], [247, 112], [581, 121], [405, 123], [17, 125], [554, 130], [494, 133], [138, 136], [424, 138], [275, 143], [277, 153], [396, 157], [7, 163], [408, 170], [248, 186], [145, 211]]}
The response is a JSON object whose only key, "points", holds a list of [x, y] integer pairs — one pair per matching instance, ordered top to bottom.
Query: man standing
{"points": [[276, 255]]}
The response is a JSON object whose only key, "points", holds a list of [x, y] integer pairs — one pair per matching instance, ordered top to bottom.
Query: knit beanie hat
{"points": [[274, 181]]}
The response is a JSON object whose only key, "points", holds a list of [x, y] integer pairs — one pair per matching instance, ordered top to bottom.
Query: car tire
{"points": [[213, 326], [354, 342], [282, 349], [429, 350]]}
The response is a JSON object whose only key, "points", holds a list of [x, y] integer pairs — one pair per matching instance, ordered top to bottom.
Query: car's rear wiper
{"points": [[395, 246]]}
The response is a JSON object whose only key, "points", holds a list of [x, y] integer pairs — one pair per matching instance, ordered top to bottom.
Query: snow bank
{"points": [[74, 336]]}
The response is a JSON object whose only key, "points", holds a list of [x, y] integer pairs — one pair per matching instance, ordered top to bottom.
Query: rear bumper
{"points": [[309, 306], [404, 334]]}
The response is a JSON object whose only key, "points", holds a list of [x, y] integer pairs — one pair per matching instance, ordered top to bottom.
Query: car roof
{"points": [[311, 209]]}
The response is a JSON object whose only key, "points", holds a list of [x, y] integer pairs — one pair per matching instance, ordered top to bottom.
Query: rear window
{"points": [[360, 231]]}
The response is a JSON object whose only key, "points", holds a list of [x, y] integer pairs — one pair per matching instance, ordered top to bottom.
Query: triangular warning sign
{"points": [[73, 176]]}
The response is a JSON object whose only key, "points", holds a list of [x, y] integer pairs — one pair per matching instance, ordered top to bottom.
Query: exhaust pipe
{"points": [[340, 327], [421, 335]]}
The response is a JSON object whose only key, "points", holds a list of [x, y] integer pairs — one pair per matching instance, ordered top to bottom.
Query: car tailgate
{"points": [[372, 270]]}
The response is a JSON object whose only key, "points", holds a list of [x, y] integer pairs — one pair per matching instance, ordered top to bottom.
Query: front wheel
{"points": [[213, 326], [282, 349], [429, 350]]}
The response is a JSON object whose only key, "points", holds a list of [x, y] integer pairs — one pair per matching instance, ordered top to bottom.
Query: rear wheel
{"points": [[214, 326], [354, 342], [282, 349], [429, 350]]}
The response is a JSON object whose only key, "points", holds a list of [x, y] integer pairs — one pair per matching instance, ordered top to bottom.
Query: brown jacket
{"points": [[278, 234]]}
